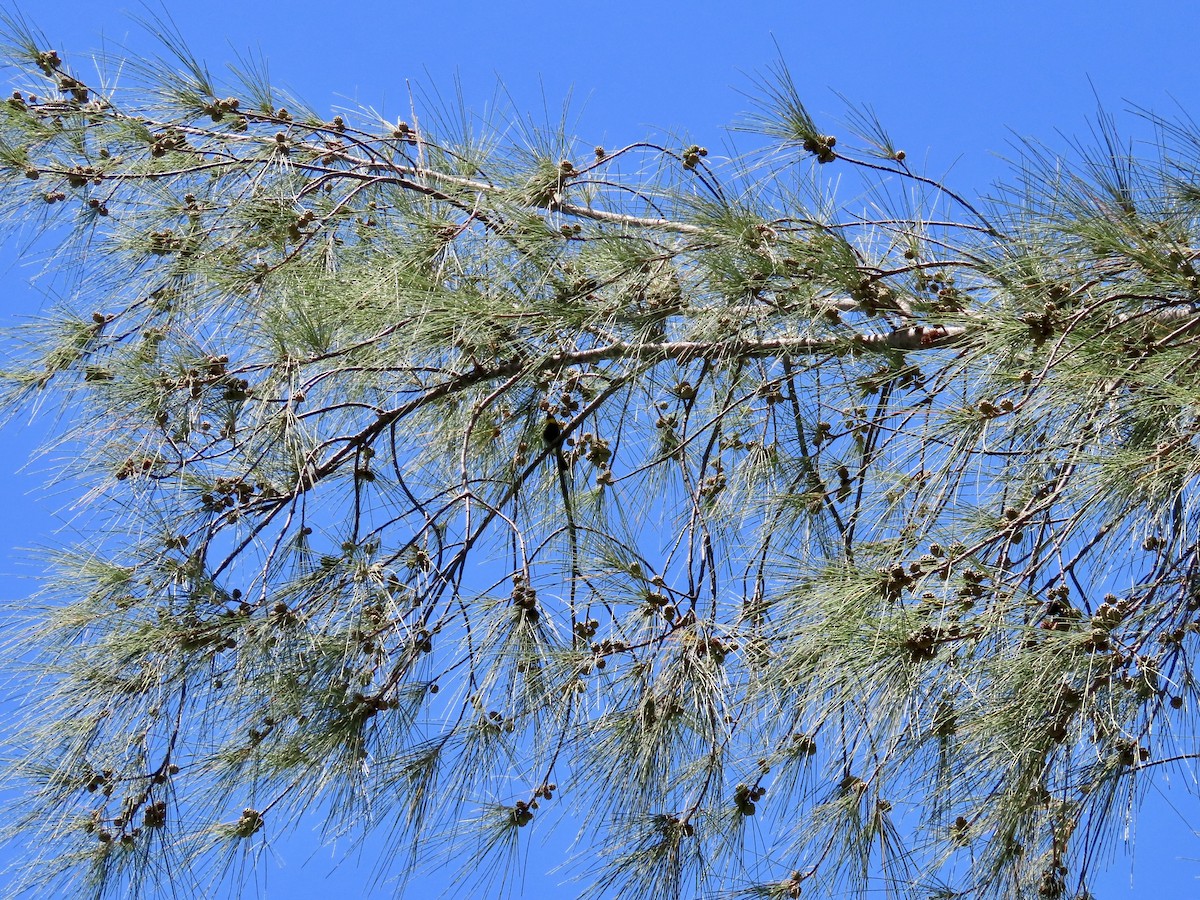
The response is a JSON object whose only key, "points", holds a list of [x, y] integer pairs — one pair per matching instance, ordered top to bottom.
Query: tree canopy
{"points": [[456, 480]]}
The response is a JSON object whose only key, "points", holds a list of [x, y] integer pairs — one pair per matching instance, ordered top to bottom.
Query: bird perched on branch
{"points": [[552, 438]]}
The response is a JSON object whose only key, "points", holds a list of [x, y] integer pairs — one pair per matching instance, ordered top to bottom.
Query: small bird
{"points": [[552, 438]]}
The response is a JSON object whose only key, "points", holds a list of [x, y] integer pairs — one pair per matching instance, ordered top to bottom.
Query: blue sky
{"points": [[953, 81]]}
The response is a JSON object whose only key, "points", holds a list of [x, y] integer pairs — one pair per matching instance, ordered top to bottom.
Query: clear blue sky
{"points": [[953, 81]]}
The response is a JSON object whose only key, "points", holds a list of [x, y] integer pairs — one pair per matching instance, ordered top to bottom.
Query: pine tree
{"points": [[460, 482]]}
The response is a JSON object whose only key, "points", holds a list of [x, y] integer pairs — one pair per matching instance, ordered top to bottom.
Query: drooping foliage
{"points": [[457, 485]]}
